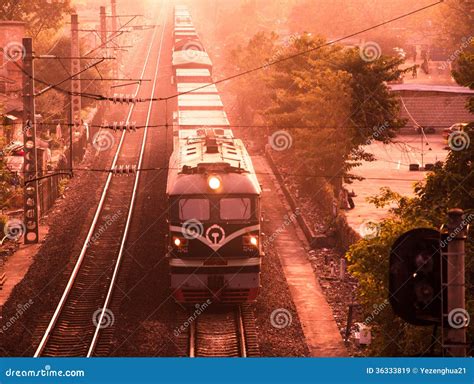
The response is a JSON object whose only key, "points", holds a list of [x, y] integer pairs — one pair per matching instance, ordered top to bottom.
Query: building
{"points": [[11, 54]]}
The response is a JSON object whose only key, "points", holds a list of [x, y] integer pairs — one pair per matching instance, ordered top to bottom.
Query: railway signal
{"points": [[415, 277], [427, 280]]}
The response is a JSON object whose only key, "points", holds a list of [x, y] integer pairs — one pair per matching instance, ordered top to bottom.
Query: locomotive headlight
{"points": [[214, 182], [250, 241], [180, 242]]}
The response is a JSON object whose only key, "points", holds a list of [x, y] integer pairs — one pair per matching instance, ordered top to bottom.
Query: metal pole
{"points": [[114, 16], [115, 29], [103, 30], [75, 98], [30, 166], [454, 330]]}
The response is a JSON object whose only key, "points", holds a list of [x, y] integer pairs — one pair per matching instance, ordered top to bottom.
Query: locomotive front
{"points": [[214, 236]]}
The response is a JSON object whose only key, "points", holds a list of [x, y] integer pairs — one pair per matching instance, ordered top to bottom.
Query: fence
{"points": [[49, 191]]}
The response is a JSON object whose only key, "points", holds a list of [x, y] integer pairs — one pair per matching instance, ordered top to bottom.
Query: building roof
{"points": [[431, 88], [434, 110]]}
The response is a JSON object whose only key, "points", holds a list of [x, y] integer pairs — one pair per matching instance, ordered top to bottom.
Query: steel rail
{"points": [[133, 199], [97, 214]]}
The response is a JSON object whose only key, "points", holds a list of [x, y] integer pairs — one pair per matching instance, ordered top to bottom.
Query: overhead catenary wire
{"points": [[298, 54], [261, 67], [160, 169]]}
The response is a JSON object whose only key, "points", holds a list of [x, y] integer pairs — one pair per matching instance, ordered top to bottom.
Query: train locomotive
{"points": [[214, 238]]}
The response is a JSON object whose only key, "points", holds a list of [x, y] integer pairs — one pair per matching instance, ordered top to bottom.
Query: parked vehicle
{"points": [[458, 127]]}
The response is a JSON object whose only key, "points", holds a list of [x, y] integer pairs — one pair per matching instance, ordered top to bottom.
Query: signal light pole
{"points": [[103, 30], [75, 97], [30, 165], [427, 280], [454, 332]]}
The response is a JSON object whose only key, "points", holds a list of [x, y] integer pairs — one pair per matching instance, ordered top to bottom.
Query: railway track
{"points": [[82, 323], [224, 332]]}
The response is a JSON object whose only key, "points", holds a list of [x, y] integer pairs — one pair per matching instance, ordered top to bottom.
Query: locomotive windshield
{"points": [[237, 208], [197, 209], [232, 209]]}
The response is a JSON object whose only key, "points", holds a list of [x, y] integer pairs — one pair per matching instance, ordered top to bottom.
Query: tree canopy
{"points": [[39, 15]]}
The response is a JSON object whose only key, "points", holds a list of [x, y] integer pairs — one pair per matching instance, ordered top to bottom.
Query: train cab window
{"points": [[236, 208], [198, 209]]}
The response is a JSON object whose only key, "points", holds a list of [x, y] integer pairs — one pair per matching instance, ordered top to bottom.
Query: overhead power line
{"points": [[290, 57], [261, 67]]}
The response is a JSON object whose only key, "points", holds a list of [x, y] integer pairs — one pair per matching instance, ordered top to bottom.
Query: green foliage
{"points": [[39, 15], [464, 74], [332, 89], [250, 90], [344, 97], [63, 183], [5, 185], [448, 186], [3, 221]]}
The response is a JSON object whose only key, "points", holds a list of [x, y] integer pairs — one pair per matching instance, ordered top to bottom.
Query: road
{"points": [[391, 169]]}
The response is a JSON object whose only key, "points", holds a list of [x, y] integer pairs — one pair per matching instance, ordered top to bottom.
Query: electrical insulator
{"points": [[124, 169]]}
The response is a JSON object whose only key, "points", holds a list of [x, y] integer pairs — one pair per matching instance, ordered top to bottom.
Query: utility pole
{"points": [[114, 16], [103, 30], [114, 31], [75, 97], [30, 166], [455, 319]]}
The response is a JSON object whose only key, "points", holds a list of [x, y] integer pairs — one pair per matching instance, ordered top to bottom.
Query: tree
{"points": [[39, 15], [464, 73], [250, 90], [343, 97], [447, 186]]}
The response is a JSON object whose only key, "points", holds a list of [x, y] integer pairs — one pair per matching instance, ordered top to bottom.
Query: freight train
{"points": [[214, 238]]}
